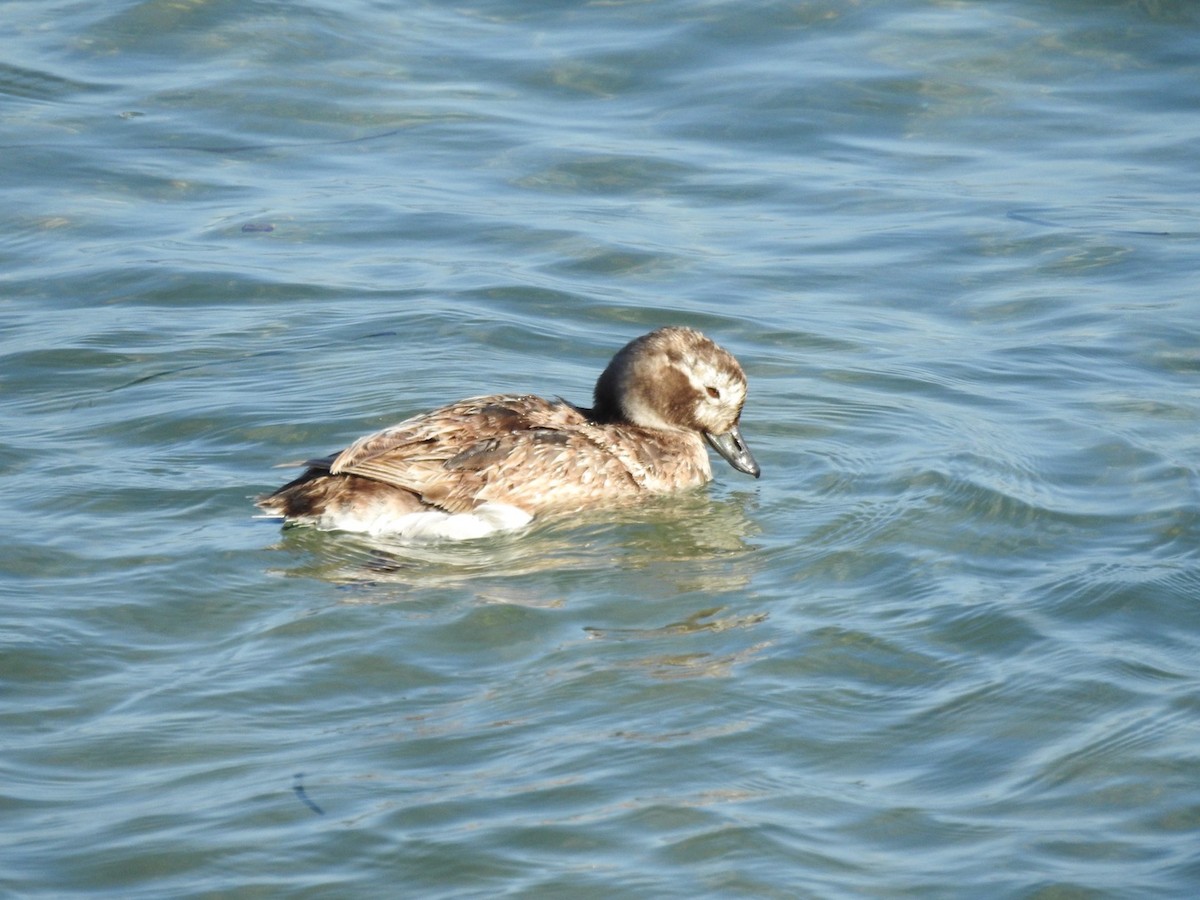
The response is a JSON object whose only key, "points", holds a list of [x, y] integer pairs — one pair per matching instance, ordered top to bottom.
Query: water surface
{"points": [[948, 644]]}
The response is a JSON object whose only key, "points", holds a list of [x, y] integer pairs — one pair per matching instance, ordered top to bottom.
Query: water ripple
{"points": [[945, 646]]}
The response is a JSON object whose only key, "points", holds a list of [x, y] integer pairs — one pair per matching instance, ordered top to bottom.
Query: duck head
{"points": [[676, 379]]}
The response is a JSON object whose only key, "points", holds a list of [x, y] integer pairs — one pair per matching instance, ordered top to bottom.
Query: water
{"points": [[948, 646]]}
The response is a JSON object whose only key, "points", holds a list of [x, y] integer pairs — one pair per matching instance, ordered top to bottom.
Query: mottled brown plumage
{"points": [[494, 462]]}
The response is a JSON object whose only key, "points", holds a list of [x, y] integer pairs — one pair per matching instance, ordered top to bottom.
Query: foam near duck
{"points": [[493, 463]]}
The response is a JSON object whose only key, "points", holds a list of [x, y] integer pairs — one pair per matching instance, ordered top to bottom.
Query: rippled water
{"points": [[948, 646]]}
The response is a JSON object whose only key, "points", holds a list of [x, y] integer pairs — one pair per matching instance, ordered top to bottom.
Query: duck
{"points": [[494, 463]]}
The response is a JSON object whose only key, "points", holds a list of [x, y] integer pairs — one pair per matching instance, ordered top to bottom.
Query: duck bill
{"points": [[731, 446]]}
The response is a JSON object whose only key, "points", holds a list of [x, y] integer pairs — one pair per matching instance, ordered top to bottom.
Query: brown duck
{"points": [[493, 463]]}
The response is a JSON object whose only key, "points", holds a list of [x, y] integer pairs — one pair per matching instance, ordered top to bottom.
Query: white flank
{"points": [[435, 525]]}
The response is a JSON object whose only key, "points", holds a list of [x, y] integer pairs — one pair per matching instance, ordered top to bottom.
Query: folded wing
{"points": [[462, 455]]}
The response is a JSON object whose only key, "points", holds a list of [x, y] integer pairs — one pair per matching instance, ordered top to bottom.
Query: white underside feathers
{"points": [[429, 524]]}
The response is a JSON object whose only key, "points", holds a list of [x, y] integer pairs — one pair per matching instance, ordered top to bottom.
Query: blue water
{"points": [[947, 646]]}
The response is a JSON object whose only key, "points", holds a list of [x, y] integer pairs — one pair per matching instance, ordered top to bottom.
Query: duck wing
{"points": [[464, 454]]}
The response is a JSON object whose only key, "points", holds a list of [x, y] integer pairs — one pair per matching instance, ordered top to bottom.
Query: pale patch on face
{"points": [[721, 397]]}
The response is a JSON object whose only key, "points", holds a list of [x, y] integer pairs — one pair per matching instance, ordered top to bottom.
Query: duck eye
{"points": [[714, 393]]}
